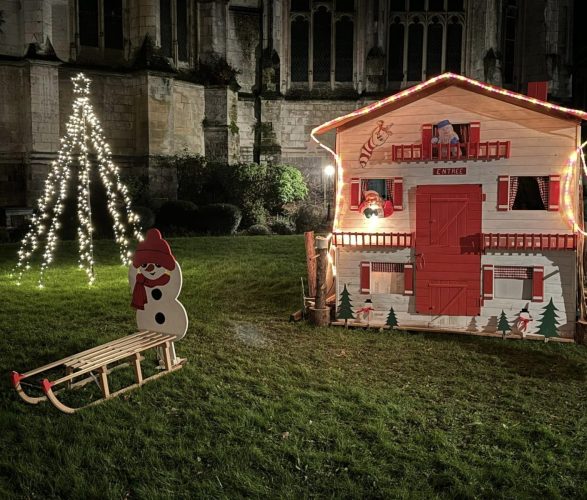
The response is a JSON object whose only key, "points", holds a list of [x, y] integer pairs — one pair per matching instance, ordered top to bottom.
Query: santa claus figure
{"points": [[447, 135], [374, 206], [155, 280]]}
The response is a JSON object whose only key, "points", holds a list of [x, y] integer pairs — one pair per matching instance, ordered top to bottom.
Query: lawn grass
{"points": [[268, 408]]}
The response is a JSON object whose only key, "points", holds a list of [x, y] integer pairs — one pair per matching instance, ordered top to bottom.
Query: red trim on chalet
{"points": [[538, 90], [554, 183], [503, 192], [398, 193], [355, 194], [353, 239], [528, 241], [365, 277], [409, 279], [488, 281], [538, 284]]}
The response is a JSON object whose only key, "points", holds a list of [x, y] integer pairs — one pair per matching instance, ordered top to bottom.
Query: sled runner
{"points": [[155, 279]]}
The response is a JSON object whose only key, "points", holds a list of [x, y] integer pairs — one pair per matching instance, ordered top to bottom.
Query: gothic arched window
{"points": [[174, 29], [101, 31], [425, 38], [322, 41], [343, 47], [299, 49]]}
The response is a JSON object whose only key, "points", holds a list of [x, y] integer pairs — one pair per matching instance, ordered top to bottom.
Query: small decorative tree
{"points": [[345, 310], [391, 319], [549, 321], [503, 325]]}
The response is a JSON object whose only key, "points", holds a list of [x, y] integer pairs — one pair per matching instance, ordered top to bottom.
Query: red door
{"points": [[448, 256]]}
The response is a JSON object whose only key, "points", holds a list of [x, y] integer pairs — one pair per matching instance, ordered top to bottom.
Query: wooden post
{"points": [[311, 262], [320, 314], [103, 370]]}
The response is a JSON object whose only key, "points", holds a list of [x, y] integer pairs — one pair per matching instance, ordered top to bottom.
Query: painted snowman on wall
{"points": [[155, 280]]}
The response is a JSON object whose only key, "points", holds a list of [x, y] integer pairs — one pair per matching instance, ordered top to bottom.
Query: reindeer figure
{"points": [[378, 137]]}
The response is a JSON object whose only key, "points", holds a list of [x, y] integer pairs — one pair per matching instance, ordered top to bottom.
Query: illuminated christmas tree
{"points": [[83, 137], [345, 310]]}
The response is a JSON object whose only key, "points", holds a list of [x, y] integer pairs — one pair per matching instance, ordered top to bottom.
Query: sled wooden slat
{"points": [[113, 350], [63, 361]]}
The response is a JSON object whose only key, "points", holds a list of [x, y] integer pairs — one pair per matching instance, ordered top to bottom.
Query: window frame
{"points": [[335, 15], [426, 18], [190, 39], [101, 47]]}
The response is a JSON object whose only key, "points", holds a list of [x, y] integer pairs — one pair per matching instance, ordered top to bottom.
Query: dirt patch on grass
{"points": [[251, 335]]}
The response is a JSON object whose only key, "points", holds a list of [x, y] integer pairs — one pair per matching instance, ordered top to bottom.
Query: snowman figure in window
{"points": [[447, 135], [375, 206], [155, 280]]}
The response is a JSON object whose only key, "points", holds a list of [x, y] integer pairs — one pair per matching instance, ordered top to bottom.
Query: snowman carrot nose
{"points": [[149, 267]]}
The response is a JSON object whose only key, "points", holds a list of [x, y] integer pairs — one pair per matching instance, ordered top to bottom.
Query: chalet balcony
{"points": [[488, 150], [387, 240], [489, 241], [528, 241]]}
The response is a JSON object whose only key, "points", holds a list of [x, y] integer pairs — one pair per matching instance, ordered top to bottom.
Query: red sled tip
{"points": [[15, 377], [46, 385]]}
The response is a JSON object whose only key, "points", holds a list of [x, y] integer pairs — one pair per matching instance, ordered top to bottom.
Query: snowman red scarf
{"points": [[139, 294]]}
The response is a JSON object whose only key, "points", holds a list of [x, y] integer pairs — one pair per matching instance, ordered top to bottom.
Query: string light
{"points": [[83, 133], [569, 172]]}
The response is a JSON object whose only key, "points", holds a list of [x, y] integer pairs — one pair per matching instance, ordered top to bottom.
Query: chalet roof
{"points": [[438, 83]]}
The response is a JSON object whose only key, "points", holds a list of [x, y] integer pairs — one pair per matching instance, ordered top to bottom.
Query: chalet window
{"points": [[174, 29], [100, 31], [425, 38], [322, 41], [384, 187], [389, 189], [528, 193], [387, 278], [513, 282]]}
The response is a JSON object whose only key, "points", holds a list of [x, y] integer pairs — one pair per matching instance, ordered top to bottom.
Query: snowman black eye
{"points": [[143, 266], [157, 266]]}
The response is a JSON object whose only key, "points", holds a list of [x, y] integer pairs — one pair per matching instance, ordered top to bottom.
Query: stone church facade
{"points": [[246, 80]]}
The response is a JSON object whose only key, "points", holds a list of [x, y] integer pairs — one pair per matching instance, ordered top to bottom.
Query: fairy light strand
{"points": [[83, 134]]}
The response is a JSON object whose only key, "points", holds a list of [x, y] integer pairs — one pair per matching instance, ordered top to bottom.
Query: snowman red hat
{"points": [[154, 250]]}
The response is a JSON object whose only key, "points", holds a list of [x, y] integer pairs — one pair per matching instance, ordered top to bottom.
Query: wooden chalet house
{"points": [[457, 200]]}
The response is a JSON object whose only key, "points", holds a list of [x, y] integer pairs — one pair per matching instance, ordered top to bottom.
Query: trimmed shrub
{"points": [[285, 185], [180, 214], [146, 215], [219, 218], [310, 218], [283, 226], [258, 230]]}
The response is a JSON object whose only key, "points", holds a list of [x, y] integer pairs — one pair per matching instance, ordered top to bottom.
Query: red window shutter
{"points": [[539, 90], [475, 132], [426, 140], [554, 188], [503, 192], [355, 193], [398, 193], [365, 277], [409, 279], [488, 281], [538, 284]]}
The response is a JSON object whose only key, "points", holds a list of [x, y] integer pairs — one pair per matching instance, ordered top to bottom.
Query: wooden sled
{"points": [[100, 360]]}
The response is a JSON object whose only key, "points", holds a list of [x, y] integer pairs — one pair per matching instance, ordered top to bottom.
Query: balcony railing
{"points": [[488, 150], [389, 240], [529, 241]]}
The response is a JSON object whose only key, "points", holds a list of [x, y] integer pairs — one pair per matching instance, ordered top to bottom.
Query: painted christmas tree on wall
{"points": [[83, 137], [345, 309], [391, 319], [549, 321], [503, 325]]}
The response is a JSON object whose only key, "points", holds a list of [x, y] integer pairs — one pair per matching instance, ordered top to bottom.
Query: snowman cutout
{"points": [[155, 280], [523, 320]]}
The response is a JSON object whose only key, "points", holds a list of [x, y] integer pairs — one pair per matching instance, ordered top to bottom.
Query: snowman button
{"points": [[156, 293], [160, 318]]}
